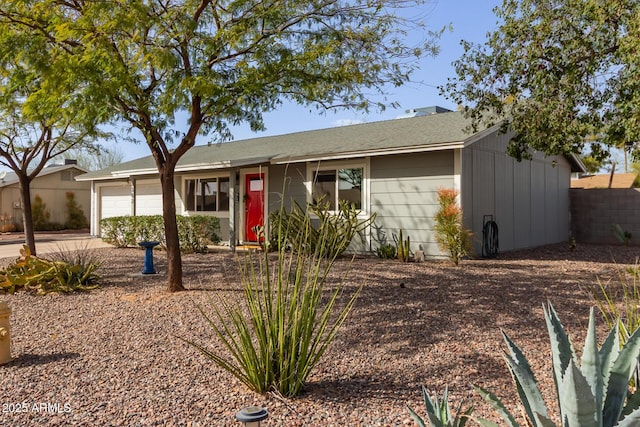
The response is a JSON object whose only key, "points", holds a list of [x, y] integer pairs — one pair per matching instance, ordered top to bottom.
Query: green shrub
{"points": [[40, 215], [75, 215], [149, 228], [118, 231], [333, 231], [194, 232], [450, 234], [622, 235], [387, 251], [44, 276], [620, 304], [291, 319], [596, 393], [438, 412]]}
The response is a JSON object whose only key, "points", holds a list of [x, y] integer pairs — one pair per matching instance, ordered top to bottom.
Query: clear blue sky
{"points": [[471, 20]]}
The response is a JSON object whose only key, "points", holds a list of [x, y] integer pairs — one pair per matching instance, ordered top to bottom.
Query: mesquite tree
{"points": [[211, 64], [44, 112]]}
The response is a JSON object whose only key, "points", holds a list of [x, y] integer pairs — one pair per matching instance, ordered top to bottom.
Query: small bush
{"points": [[40, 215], [75, 215], [7, 223], [194, 232], [450, 234], [330, 235], [622, 235], [387, 251], [43, 276], [619, 304], [439, 412]]}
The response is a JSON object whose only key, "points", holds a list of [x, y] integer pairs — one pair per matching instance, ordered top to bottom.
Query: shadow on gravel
{"points": [[29, 359]]}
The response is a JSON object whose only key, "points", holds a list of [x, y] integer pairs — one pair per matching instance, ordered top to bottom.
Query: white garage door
{"points": [[148, 199], [115, 201]]}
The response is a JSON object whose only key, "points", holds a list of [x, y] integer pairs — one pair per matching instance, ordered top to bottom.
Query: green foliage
{"points": [[211, 64], [547, 75], [592, 164], [40, 214], [75, 215], [198, 231], [331, 231], [194, 232], [450, 234], [621, 234], [403, 247], [387, 251], [43, 276], [619, 304], [291, 316], [593, 392], [439, 413]]}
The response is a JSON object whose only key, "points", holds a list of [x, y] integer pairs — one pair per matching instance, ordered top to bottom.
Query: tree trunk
{"points": [[27, 217], [174, 257]]}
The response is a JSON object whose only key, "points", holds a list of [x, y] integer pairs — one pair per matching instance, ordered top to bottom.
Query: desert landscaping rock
{"points": [[115, 356]]}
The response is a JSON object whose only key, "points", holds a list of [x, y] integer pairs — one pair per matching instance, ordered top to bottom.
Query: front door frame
{"points": [[241, 206]]}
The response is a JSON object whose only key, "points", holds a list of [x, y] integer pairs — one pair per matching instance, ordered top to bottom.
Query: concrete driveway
{"points": [[11, 243]]}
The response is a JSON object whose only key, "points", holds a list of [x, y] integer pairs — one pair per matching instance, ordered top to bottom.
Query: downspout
{"points": [[132, 183], [233, 199]]}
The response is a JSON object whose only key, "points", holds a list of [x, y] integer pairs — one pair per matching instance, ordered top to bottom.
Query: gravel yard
{"points": [[114, 356]]}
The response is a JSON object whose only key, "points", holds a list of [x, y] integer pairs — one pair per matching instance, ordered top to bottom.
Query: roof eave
{"points": [[368, 153]]}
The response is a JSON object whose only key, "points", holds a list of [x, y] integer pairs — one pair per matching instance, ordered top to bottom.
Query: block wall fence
{"points": [[595, 211]]}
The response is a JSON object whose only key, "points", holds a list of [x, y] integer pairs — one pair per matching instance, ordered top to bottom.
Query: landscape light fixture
{"points": [[252, 416]]}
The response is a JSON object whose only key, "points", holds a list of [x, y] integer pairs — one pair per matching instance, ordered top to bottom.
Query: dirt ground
{"points": [[115, 356]]}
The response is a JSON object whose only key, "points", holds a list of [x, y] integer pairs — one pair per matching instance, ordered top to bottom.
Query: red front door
{"points": [[253, 206]]}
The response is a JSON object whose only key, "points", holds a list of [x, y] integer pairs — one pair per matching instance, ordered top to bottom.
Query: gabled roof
{"points": [[424, 133], [416, 134], [11, 178], [620, 180]]}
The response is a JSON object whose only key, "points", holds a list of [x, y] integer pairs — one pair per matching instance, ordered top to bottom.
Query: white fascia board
{"points": [[478, 136], [370, 153]]}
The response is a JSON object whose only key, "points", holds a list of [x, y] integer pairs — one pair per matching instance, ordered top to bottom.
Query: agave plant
{"points": [[594, 394], [438, 412]]}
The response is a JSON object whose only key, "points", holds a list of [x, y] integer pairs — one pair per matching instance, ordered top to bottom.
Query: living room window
{"points": [[331, 185], [207, 194]]}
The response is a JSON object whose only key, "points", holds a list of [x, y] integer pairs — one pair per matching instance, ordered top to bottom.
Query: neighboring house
{"points": [[392, 168], [618, 180], [52, 184]]}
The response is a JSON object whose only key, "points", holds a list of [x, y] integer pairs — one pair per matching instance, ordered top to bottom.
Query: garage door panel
{"points": [[148, 199], [115, 201]]}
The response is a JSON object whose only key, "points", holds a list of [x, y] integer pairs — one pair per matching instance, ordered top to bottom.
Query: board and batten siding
{"points": [[286, 184], [404, 195], [529, 200]]}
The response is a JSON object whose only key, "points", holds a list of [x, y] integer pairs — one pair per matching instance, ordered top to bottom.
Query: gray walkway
{"points": [[11, 243]]}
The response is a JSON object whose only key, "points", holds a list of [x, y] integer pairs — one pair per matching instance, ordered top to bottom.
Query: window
{"points": [[332, 185], [207, 194]]}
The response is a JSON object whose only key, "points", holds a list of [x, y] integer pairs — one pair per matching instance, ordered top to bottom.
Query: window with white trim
{"points": [[331, 185], [207, 194]]}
